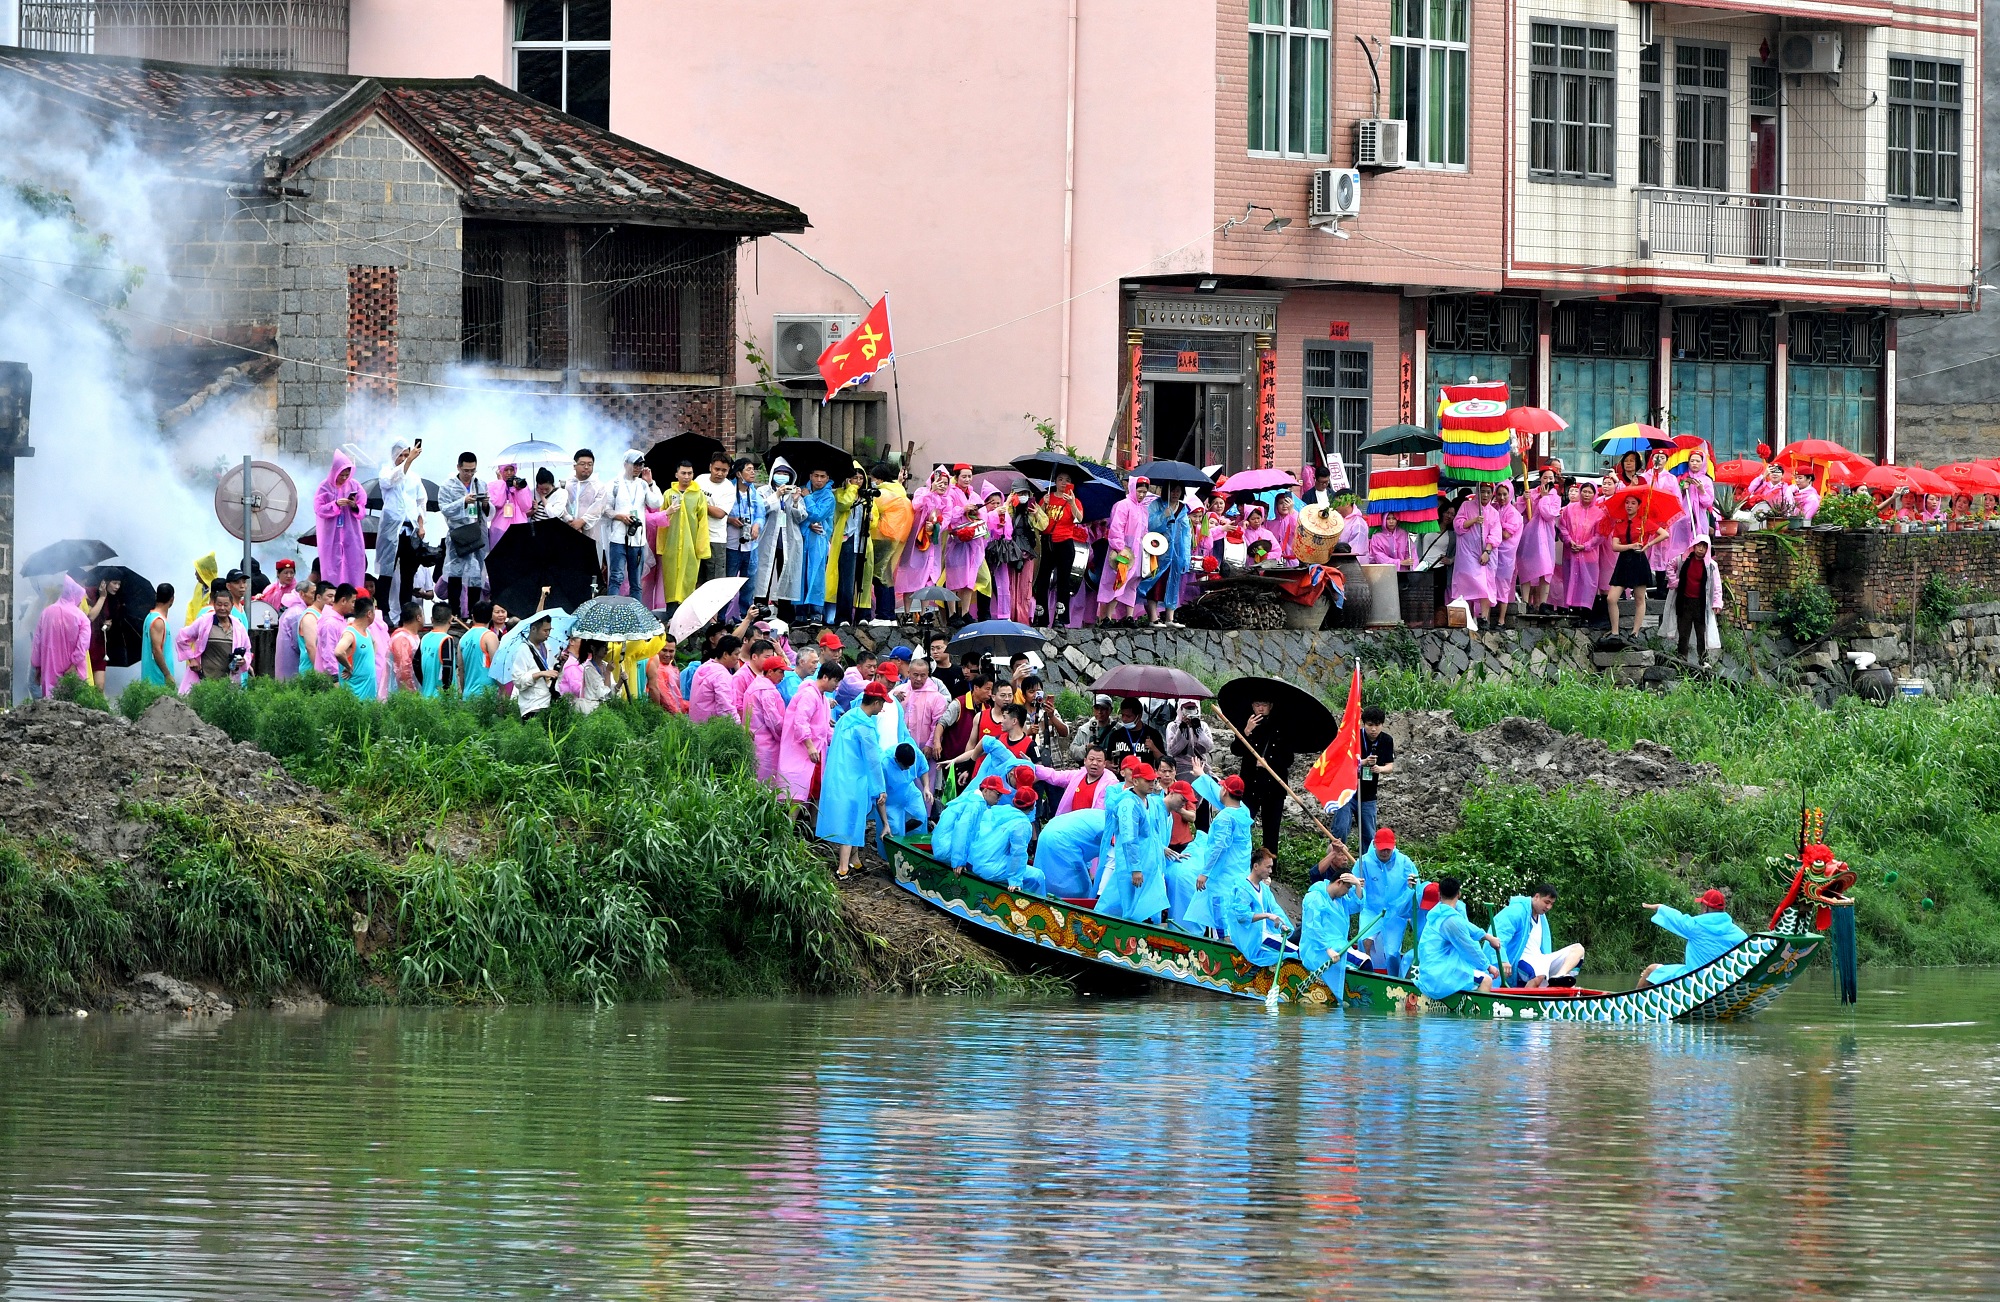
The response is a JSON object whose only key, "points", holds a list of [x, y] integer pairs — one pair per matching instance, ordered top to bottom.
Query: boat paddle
{"points": [[1311, 810]]}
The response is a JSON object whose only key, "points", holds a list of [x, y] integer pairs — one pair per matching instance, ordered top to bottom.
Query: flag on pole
{"points": [[858, 354], [1336, 777]]}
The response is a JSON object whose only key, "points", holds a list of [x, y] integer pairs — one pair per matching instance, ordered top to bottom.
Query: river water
{"points": [[881, 1148]]}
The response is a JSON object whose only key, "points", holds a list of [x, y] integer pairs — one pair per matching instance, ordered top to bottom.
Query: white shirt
{"points": [[403, 496], [724, 496], [634, 497], [587, 500], [531, 693]]}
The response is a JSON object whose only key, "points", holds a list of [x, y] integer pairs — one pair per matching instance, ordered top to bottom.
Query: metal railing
{"points": [[282, 35], [1763, 229]]}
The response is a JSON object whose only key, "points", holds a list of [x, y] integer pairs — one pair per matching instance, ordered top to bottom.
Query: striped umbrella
{"points": [[1631, 438]]}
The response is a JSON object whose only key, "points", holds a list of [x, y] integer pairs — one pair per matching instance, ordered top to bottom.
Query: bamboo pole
{"points": [[1311, 811]]}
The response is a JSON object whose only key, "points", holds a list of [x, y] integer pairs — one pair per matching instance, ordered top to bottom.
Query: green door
{"points": [[1595, 394], [1727, 403], [1842, 403]]}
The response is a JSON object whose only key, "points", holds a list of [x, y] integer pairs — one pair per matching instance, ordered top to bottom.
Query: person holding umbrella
{"points": [[1630, 571]]}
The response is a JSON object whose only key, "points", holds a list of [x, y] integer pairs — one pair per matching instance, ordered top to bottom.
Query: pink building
{"points": [[1104, 214]]}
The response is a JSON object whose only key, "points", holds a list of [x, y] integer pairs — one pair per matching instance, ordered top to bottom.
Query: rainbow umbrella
{"points": [[1631, 438], [1685, 446]]}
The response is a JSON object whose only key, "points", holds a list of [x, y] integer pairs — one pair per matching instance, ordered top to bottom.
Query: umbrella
{"points": [[1535, 420], [1631, 438], [1394, 440], [1817, 450], [533, 452], [808, 455], [665, 457], [1043, 465], [1173, 472], [1739, 473], [1841, 474], [1971, 477], [1886, 479], [1257, 481], [1929, 481], [1002, 482], [373, 489], [1097, 496], [1656, 506], [69, 554], [541, 554], [945, 595], [702, 605], [615, 619], [997, 637], [123, 644], [502, 667], [1161, 681], [1309, 724]]}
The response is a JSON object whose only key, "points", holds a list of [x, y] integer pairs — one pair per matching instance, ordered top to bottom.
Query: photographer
{"points": [[463, 502], [625, 524], [741, 530], [399, 536], [1046, 728]]}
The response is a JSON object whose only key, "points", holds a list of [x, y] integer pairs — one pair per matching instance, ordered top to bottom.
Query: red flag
{"points": [[859, 353], [1336, 777]]}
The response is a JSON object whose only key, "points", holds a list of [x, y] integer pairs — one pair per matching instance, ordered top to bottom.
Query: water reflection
{"points": [[864, 1148]]}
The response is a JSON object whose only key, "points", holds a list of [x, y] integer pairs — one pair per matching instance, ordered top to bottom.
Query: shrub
{"points": [[1805, 612], [78, 691], [132, 702], [226, 706], [289, 729], [598, 735], [523, 744], [722, 748]]}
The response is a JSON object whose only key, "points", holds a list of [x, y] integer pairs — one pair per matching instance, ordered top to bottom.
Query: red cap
{"points": [[958, 466], [288, 565], [830, 640], [770, 662], [891, 670], [875, 692], [1129, 763], [1144, 771], [1021, 775], [992, 784], [1233, 784], [1184, 790], [1024, 798], [1385, 839], [1431, 895], [1714, 899]]}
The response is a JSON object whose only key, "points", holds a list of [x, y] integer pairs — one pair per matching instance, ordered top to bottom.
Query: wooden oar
{"points": [[1310, 809]]}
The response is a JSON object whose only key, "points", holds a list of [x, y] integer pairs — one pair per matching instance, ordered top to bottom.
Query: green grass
{"points": [[1912, 789], [621, 854]]}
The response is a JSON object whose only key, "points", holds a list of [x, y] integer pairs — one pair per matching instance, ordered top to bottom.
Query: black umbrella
{"points": [[1393, 440], [808, 455], [664, 457], [1043, 465], [1173, 472], [374, 491], [69, 554], [542, 554], [124, 617], [997, 637], [1309, 725]]}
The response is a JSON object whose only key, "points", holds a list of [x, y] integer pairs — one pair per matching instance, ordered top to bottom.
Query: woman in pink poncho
{"points": [[337, 505], [511, 505], [1697, 518], [999, 521], [1477, 525], [1285, 526], [1578, 529], [965, 538], [1392, 544], [1506, 556], [922, 558], [1535, 559], [1118, 596], [62, 639], [192, 640], [764, 714], [807, 729]]}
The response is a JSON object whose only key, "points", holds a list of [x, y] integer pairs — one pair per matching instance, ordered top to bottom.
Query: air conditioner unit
{"points": [[1809, 52], [1381, 143], [1336, 194], [798, 340]]}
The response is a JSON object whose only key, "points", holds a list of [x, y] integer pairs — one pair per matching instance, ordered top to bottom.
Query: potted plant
{"points": [[1725, 508]]}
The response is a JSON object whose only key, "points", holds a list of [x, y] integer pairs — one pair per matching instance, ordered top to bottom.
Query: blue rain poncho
{"points": [[819, 511], [851, 781], [906, 798], [951, 839], [1138, 848], [1000, 849], [1226, 852], [1067, 853], [1385, 889], [1513, 925], [1323, 931], [1709, 936], [1258, 939], [1450, 955]]}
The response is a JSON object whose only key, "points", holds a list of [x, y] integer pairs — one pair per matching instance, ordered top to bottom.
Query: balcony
{"points": [[280, 35], [1766, 230]]}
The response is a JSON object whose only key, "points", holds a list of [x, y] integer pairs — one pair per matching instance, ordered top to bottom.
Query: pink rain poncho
{"points": [[510, 505], [1000, 524], [1285, 527], [1578, 528], [1125, 531], [1392, 545], [1507, 554], [962, 556], [342, 558], [922, 559], [1536, 559], [1474, 562], [62, 638], [190, 641], [764, 714], [808, 727]]}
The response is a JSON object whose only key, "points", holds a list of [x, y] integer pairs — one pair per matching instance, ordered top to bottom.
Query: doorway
{"points": [[1192, 422]]}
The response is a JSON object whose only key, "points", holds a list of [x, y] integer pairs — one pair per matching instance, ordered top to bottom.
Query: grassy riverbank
{"points": [[1912, 789], [454, 852]]}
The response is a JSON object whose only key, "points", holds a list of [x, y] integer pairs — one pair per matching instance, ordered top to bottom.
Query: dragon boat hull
{"points": [[1734, 986]]}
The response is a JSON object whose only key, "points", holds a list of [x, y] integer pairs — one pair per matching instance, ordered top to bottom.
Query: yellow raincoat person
{"points": [[683, 541], [205, 571]]}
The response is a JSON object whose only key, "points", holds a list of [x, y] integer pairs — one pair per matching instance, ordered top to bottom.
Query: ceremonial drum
{"points": [[1318, 535], [1356, 596], [1384, 607]]}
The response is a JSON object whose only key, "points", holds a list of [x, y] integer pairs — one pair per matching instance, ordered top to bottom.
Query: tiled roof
{"points": [[510, 155]]}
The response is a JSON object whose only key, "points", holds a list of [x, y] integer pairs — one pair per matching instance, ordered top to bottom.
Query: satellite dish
{"points": [[274, 501]]}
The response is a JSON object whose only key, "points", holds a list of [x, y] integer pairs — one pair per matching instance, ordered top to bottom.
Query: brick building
{"points": [[357, 243]]}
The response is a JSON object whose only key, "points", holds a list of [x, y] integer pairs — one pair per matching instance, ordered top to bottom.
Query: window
{"points": [[1289, 42], [562, 55], [1427, 78], [1573, 86], [1924, 98], [1701, 116], [1650, 118], [1337, 397]]}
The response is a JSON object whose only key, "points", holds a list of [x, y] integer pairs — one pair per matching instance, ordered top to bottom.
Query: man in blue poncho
{"points": [[1167, 515], [818, 534], [904, 768], [852, 784], [1000, 846], [1067, 853], [1225, 855], [1387, 879], [1136, 887], [1325, 913], [1251, 914], [1709, 934], [1529, 957], [1450, 959]]}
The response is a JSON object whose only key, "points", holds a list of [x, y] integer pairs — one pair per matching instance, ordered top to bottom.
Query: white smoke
{"points": [[78, 212]]}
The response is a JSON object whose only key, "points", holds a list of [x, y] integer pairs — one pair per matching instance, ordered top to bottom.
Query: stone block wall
{"points": [[1872, 576]]}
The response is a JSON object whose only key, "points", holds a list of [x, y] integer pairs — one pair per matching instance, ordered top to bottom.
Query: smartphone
{"points": [[420, 443]]}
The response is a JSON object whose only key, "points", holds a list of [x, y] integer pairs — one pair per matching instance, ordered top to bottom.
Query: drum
{"points": [[1319, 533], [1152, 553], [1416, 597], [1384, 608]]}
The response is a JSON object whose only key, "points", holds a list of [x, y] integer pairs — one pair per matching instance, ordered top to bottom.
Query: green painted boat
{"points": [[1736, 985]]}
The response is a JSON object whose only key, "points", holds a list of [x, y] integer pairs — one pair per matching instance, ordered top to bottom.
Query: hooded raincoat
{"points": [[1126, 531], [682, 542], [781, 544], [342, 558], [62, 638], [852, 781], [1066, 854], [1323, 931], [1708, 935], [1450, 958]]}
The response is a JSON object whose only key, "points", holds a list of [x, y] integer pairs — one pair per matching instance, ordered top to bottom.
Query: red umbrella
{"points": [[1535, 420], [1818, 450], [1738, 474], [1842, 474], [1971, 477], [1886, 479], [1929, 481], [1656, 507]]}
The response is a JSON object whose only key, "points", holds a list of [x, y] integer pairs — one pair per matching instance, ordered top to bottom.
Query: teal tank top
{"points": [[308, 662], [430, 663], [149, 672], [474, 673], [362, 681]]}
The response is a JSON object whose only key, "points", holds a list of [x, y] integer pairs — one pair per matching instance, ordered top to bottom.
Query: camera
{"points": [[517, 483], [867, 492]]}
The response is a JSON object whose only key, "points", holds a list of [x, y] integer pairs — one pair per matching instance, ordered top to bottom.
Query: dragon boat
{"points": [[1736, 985]]}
